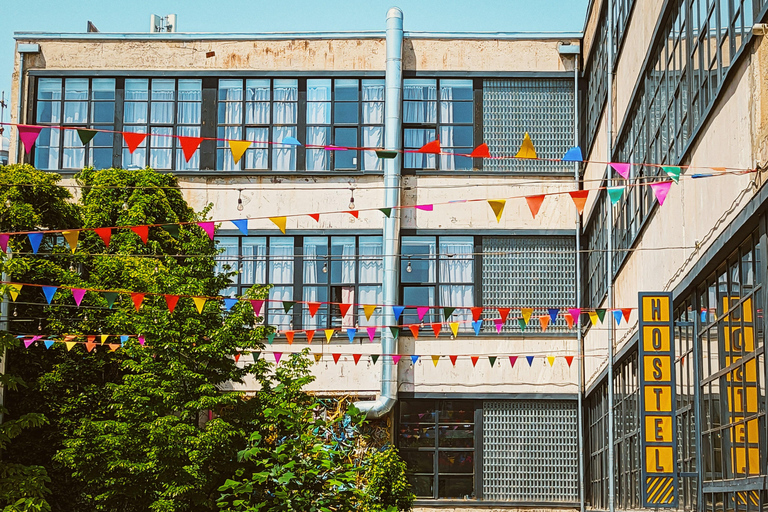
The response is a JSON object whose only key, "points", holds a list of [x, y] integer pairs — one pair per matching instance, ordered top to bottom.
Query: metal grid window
{"points": [[621, 11], [697, 43], [595, 71], [75, 102], [161, 107], [541, 107], [438, 109], [258, 110], [348, 113], [595, 262], [343, 269], [521, 272], [685, 410], [626, 411], [596, 416], [436, 439], [530, 451]]}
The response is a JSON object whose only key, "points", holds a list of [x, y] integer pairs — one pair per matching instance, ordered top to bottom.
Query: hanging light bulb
{"points": [[352, 198], [7, 203], [239, 204], [125, 205], [325, 267], [409, 268], [14, 312], [39, 325]]}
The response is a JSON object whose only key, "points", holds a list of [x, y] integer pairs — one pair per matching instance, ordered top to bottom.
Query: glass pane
{"points": [[49, 89], [76, 89], [103, 89], [136, 89], [163, 89], [230, 90], [286, 90], [318, 90], [345, 90], [455, 90], [419, 104], [48, 111], [75, 112], [103, 112], [135, 112], [456, 112], [345, 113], [456, 136], [345, 137], [283, 157], [228, 256], [254, 260], [281, 260], [315, 260], [343, 260], [417, 263], [371, 265], [418, 296], [417, 411], [453, 411], [416, 436], [456, 436], [419, 462], [455, 462], [422, 485], [455, 487]]}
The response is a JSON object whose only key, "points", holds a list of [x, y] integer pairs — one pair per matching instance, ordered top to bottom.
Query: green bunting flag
{"points": [[86, 135], [386, 154], [673, 172], [615, 194], [386, 211], [172, 229], [111, 297], [287, 305], [447, 312], [600, 314], [522, 323], [395, 332], [271, 337], [256, 356], [374, 358], [492, 360]]}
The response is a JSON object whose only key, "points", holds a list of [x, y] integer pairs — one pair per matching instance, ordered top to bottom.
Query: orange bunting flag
{"points": [[133, 140], [189, 145], [430, 147], [238, 148], [526, 148], [481, 151], [579, 199], [534, 203], [497, 205], [354, 213], [279, 222], [142, 231], [105, 234], [71, 238], [137, 299], [171, 300], [199, 303], [313, 307], [369, 309], [504, 312], [526, 312], [568, 320], [544, 321], [436, 327], [454, 328], [414, 330], [310, 334], [328, 335], [289, 336], [89, 345], [114, 346], [237, 357], [356, 358], [474, 359], [435, 360], [551, 360], [569, 360]]}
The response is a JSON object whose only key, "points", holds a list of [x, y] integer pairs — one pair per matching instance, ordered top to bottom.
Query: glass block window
{"points": [[76, 102], [162, 107], [541, 107], [537, 272], [530, 451]]}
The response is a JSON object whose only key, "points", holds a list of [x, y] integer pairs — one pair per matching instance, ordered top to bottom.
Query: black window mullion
{"points": [[62, 108], [477, 110], [174, 122], [208, 123], [301, 127], [117, 142], [298, 279]]}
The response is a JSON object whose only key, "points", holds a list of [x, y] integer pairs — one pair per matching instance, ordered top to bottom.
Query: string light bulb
{"points": [[352, 199], [240, 200], [7, 203], [125, 205], [325, 267], [409, 268], [14, 312], [39, 325]]}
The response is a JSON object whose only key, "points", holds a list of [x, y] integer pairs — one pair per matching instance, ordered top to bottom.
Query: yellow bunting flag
{"points": [[238, 148], [526, 148], [497, 205], [279, 222], [71, 238], [13, 291], [199, 303], [369, 309], [527, 312], [593, 317], [454, 328], [328, 335], [104, 338], [70, 344], [318, 357], [435, 360], [551, 360]]}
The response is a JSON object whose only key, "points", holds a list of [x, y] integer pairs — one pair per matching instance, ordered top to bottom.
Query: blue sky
{"points": [[280, 16]]}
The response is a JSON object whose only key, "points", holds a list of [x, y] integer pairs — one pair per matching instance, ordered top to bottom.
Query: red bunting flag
{"points": [[133, 140], [189, 145], [430, 147], [481, 151], [579, 199], [534, 203], [354, 213], [315, 216], [142, 231], [105, 234], [137, 299], [171, 300], [256, 305], [313, 307], [344, 308], [504, 312], [626, 312], [476, 313], [436, 328], [414, 330], [310, 334], [289, 336], [237, 357], [336, 358], [356, 358], [453, 359], [474, 359], [513, 360], [569, 360]]}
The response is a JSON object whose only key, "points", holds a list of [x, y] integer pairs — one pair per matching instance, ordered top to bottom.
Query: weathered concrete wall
{"points": [[474, 508]]}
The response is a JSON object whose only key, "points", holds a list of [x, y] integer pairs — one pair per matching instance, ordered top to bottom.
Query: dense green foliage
{"points": [[158, 427]]}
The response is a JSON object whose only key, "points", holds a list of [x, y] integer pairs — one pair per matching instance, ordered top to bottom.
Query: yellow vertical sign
{"points": [[657, 396]]}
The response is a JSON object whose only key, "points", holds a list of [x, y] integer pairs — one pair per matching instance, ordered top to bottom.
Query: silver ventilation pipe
{"points": [[393, 140]]}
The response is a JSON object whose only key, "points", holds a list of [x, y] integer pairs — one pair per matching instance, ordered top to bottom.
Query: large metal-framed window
{"points": [[621, 12], [595, 72], [75, 102], [540, 106], [162, 107], [438, 108], [259, 110], [344, 112], [595, 263], [343, 268], [686, 360], [626, 409], [596, 416], [436, 439]]}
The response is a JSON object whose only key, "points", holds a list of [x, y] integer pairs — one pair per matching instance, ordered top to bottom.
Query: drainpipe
{"points": [[393, 140], [609, 210]]}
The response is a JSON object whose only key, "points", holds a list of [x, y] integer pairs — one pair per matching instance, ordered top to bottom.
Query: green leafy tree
{"points": [[386, 484]]}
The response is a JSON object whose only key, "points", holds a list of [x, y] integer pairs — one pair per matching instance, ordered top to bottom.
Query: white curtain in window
{"points": [[257, 102], [420, 102], [373, 137], [414, 138], [257, 156], [283, 157], [318, 159], [447, 162], [254, 261], [281, 264], [371, 267], [456, 274], [370, 295], [348, 297], [276, 314]]}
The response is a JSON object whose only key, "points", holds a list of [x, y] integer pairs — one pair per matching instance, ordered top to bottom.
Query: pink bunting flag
{"points": [[28, 135], [622, 169], [660, 190], [424, 207], [207, 227], [4, 242], [78, 294], [257, 304], [421, 311], [575, 313], [499, 323], [371, 333], [141, 340], [30, 341], [277, 355], [396, 359], [512, 360]]}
